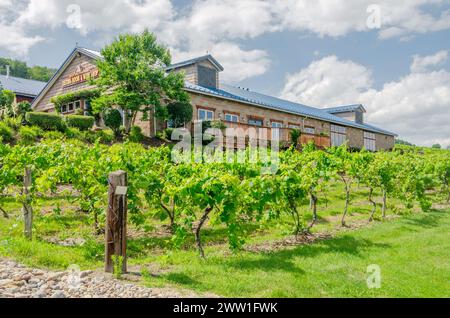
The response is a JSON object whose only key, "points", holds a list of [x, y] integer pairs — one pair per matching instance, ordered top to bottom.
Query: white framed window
{"points": [[70, 107], [205, 114], [232, 118], [255, 122], [276, 124], [293, 126], [310, 130], [338, 135], [370, 141]]}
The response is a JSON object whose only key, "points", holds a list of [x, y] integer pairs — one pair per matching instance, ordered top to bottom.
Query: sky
{"points": [[392, 56]]}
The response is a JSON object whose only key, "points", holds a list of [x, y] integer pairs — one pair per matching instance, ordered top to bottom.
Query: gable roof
{"points": [[208, 57], [21, 86], [236, 94], [345, 109]]}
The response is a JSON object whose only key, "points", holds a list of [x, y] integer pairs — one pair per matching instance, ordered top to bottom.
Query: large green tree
{"points": [[133, 76]]}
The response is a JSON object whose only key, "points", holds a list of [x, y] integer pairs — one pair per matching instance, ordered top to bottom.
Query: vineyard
{"points": [[186, 213]]}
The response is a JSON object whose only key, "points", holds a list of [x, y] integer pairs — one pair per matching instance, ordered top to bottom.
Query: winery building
{"points": [[235, 107]]}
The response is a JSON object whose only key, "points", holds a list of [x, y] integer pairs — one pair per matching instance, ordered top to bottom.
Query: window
{"points": [[70, 107], [205, 115], [232, 118], [255, 122], [277, 124], [293, 126], [310, 130], [276, 131], [338, 135], [370, 141]]}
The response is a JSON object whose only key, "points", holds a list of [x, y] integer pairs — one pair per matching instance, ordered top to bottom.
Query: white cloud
{"points": [[99, 15], [336, 18], [16, 40], [424, 63], [238, 64], [328, 81], [416, 106]]}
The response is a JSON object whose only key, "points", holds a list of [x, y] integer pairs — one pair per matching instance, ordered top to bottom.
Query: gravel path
{"points": [[18, 281]]}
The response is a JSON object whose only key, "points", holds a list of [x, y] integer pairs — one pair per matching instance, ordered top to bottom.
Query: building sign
{"points": [[80, 77]]}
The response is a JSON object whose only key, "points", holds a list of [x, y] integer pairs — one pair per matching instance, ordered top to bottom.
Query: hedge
{"points": [[46, 121], [80, 122], [6, 133]]}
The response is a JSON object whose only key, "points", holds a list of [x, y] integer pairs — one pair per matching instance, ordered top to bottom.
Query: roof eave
{"points": [[288, 112]]}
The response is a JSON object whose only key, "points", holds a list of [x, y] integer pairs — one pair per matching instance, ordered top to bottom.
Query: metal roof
{"points": [[21, 86], [247, 96], [344, 109]]}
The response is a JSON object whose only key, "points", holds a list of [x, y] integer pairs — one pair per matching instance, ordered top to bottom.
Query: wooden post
{"points": [[26, 207], [116, 221]]}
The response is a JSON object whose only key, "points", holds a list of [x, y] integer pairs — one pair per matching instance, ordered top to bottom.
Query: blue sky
{"points": [[321, 53]]}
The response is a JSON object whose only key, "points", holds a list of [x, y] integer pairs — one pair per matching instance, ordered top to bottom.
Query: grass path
{"points": [[413, 253]]}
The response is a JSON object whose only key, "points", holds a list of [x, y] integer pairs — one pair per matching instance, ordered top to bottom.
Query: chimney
{"points": [[7, 71]]}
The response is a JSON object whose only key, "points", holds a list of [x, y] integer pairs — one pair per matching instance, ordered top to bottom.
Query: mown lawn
{"points": [[412, 250], [413, 253]]}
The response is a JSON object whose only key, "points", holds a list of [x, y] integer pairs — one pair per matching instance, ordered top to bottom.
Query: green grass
{"points": [[412, 251], [413, 254]]}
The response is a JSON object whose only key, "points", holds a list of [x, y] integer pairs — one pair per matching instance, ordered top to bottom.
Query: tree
{"points": [[22, 70], [133, 76], [6, 103], [22, 108], [179, 114], [113, 120], [436, 146]]}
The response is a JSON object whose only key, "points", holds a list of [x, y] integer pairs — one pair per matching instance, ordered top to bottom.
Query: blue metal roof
{"points": [[21, 86], [247, 96], [344, 109]]}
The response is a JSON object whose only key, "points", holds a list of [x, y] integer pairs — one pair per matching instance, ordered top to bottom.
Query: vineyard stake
{"points": [[26, 206], [116, 222]]}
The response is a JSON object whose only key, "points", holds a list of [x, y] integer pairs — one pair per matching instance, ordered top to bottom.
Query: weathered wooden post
{"points": [[27, 210], [116, 221]]}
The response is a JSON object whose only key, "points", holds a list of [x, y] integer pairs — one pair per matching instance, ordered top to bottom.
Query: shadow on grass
{"points": [[427, 220], [282, 260]]}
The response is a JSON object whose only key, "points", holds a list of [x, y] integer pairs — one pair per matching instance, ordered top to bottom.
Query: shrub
{"points": [[22, 108], [179, 113], [113, 120], [46, 121], [13, 122], [81, 122], [168, 132], [6, 133], [74, 133], [136, 134], [29, 135], [53, 135], [295, 135], [106, 136]]}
